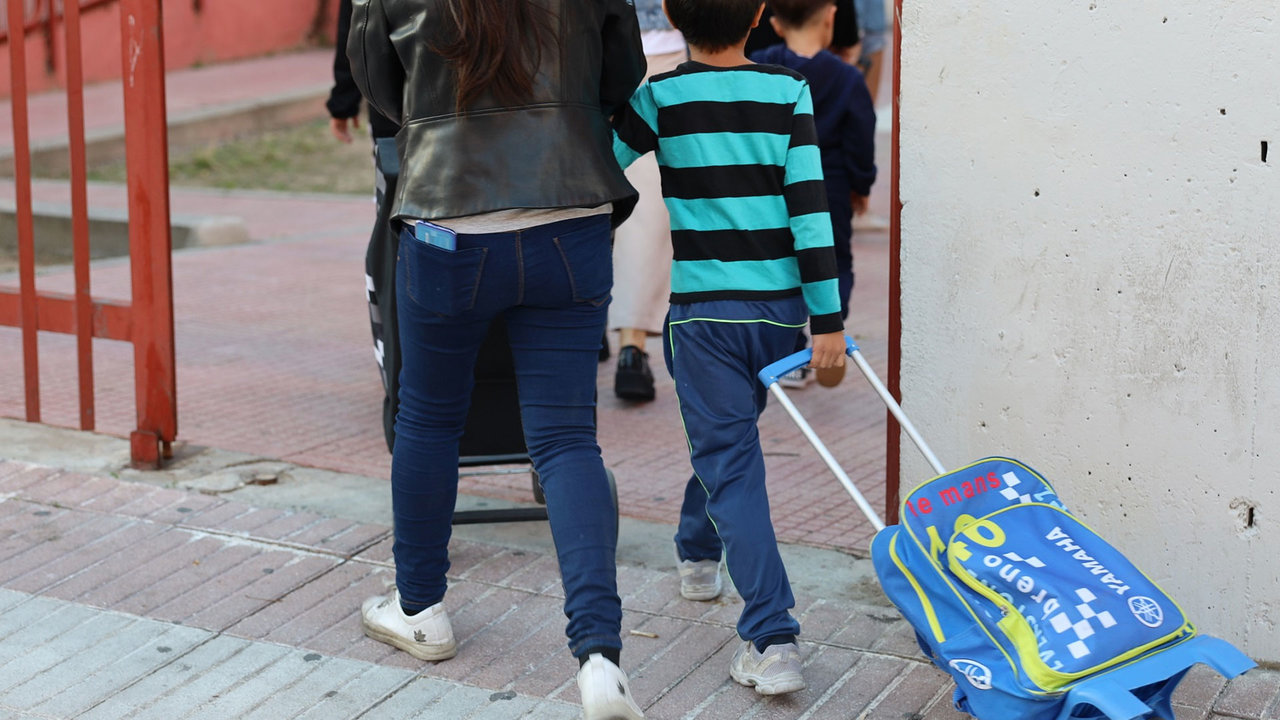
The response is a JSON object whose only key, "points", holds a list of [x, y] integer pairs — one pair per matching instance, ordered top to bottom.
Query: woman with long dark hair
{"points": [[508, 191]]}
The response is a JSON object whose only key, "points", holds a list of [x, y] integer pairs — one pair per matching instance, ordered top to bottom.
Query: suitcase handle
{"points": [[770, 374], [769, 377]]}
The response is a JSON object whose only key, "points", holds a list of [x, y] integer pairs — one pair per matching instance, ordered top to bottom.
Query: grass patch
{"points": [[305, 158]]}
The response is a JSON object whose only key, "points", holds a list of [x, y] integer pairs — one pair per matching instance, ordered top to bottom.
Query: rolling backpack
{"points": [[1015, 597], [1033, 614]]}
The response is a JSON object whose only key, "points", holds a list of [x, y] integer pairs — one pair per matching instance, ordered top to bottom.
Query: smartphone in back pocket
{"points": [[432, 234]]}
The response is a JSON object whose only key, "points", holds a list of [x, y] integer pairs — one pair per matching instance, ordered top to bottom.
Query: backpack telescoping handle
{"points": [[769, 376]]}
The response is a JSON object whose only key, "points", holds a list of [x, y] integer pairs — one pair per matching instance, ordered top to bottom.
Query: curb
{"points": [[109, 231]]}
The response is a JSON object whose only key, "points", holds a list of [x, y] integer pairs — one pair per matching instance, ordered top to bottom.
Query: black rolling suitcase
{"points": [[493, 434]]}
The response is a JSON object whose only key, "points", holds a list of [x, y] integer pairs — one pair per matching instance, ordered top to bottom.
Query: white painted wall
{"points": [[1090, 272]]}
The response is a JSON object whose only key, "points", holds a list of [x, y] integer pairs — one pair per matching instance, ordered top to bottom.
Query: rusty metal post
{"points": [[147, 160], [26, 224], [83, 313], [893, 434]]}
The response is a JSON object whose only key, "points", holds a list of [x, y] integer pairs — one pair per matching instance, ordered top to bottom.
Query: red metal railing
{"points": [[44, 15], [147, 321]]}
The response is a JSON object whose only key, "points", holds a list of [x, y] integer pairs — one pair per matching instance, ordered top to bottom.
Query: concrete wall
{"points": [[196, 32], [1090, 270]]}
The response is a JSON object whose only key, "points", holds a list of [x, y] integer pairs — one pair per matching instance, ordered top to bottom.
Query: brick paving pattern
{"points": [[274, 359], [120, 599]]}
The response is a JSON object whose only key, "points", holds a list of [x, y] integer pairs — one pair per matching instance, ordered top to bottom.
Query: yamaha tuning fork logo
{"points": [[1147, 611]]}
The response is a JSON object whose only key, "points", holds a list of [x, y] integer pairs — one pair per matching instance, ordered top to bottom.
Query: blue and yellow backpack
{"points": [[1022, 603], [1033, 614]]}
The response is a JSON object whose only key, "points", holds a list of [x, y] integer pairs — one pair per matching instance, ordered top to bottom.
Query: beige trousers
{"points": [[642, 244]]}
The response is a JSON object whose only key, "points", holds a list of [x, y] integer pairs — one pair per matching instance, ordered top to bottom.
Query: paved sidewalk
{"points": [[274, 358], [121, 595], [122, 599]]}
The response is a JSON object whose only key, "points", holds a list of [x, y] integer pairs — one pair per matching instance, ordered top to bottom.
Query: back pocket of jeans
{"points": [[588, 259], [442, 281]]}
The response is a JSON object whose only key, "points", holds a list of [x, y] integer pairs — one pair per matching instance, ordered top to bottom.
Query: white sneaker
{"points": [[796, 379], [699, 579], [426, 636], [773, 672], [604, 690]]}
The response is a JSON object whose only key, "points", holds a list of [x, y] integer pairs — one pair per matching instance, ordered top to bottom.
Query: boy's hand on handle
{"points": [[828, 350]]}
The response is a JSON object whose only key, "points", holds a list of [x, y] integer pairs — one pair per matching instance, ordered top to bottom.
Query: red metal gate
{"points": [[146, 321]]}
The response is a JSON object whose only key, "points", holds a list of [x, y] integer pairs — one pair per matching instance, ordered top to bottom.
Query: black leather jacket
{"points": [[553, 151]]}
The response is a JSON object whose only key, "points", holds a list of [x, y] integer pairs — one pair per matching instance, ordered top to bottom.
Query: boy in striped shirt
{"points": [[753, 264]]}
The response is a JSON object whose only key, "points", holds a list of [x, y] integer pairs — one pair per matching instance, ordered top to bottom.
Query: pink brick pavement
{"points": [[274, 359], [119, 547], [506, 612]]}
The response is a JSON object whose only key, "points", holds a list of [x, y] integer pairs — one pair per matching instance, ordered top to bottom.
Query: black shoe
{"points": [[604, 347], [634, 380]]}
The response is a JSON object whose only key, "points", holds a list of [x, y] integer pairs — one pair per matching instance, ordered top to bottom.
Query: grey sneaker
{"points": [[796, 379], [699, 579], [426, 636], [774, 672], [604, 690]]}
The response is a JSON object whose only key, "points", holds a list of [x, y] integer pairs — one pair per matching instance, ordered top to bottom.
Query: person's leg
{"points": [[875, 29], [872, 66], [842, 230], [642, 248], [642, 252], [380, 273], [441, 328], [555, 334], [632, 336], [439, 340], [714, 365], [633, 378], [696, 537], [698, 547]]}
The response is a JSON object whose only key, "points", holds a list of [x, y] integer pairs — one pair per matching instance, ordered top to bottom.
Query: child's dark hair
{"points": [[795, 13], [713, 24]]}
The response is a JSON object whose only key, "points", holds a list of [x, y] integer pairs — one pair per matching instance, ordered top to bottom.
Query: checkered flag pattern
{"points": [[1011, 481], [1033, 561], [1082, 628]]}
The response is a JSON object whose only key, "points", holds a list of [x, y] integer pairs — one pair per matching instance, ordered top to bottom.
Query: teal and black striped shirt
{"points": [[742, 180]]}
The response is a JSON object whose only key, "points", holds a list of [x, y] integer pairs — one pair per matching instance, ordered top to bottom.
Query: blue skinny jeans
{"points": [[552, 285]]}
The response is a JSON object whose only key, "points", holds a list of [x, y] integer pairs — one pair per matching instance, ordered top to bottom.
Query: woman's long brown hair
{"points": [[496, 46]]}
